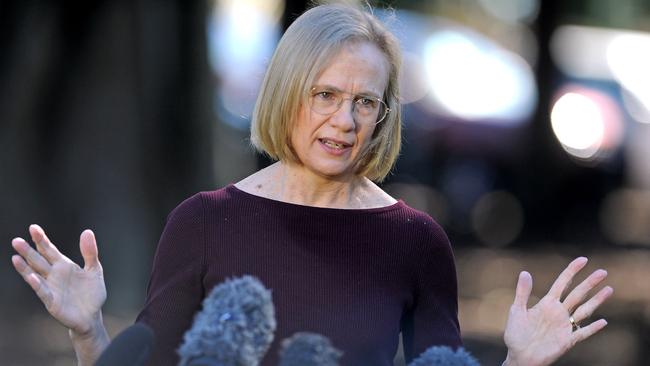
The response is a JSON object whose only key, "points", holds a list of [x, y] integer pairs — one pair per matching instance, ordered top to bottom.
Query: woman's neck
{"points": [[294, 184], [304, 187]]}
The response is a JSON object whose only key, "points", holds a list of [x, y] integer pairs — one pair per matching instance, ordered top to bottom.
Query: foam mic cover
{"points": [[234, 328], [130, 348], [308, 349], [444, 356]]}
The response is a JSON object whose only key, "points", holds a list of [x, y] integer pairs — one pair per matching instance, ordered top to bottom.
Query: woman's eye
{"points": [[324, 95], [367, 102]]}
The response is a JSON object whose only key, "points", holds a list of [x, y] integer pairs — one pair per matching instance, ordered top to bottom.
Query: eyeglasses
{"points": [[365, 108]]}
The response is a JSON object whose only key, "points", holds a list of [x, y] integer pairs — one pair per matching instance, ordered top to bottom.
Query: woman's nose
{"points": [[344, 116]]}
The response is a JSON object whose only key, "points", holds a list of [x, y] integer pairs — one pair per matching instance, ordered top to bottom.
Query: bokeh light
{"points": [[512, 11], [241, 32], [242, 35], [581, 52], [607, 54], [628, 56], [474, 79], [413, 87], [635, 107], [586, 122], [578, 124], [625, 216], [498, 218]]}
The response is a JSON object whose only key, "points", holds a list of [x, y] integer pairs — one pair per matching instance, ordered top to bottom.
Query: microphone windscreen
{"points": [[235, 326], [129, 348], [308, 349], [445, 356]]}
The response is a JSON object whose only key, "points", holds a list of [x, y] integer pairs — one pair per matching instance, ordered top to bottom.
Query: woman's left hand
{"points": [[543, 333]]}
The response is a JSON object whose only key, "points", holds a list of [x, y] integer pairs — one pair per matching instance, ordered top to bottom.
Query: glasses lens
{"points": [[324, 102], [366, 109]]}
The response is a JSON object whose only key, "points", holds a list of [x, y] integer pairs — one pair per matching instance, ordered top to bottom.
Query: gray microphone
{"points": [[234, 328], [308, 349], [444, 356]]}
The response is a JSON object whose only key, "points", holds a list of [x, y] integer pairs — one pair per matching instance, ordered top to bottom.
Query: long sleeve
{"points": [[357, 276], [175, 288], [433, 319]]}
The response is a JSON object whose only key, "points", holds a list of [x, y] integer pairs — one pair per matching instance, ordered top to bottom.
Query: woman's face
{"points": [[330, 145]]}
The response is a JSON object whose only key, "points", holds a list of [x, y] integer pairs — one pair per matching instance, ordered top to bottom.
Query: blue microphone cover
{"points": [[235, 326], [308, 349], [444, 356]]}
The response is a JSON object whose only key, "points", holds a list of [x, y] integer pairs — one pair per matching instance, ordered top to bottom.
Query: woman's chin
{"points": [[333, 171]]}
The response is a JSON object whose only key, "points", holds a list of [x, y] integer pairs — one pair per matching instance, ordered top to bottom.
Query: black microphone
{"points": [[234, 328], [130, 348], [308, 349], [444, 356]]}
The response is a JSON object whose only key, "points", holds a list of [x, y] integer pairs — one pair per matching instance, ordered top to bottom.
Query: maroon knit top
{"points": [[357, 276]]}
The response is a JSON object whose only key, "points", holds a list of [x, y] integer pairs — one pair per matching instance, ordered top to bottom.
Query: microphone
{"points": [[234, 328], [130, 348], [308, 349], [444, 356]]}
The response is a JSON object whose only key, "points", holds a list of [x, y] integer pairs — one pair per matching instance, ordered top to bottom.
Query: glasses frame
{"points": [[352, 97]]}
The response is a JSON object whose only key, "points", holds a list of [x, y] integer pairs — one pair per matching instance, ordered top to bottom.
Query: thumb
{"points": [[88, 247], [524, 288]]}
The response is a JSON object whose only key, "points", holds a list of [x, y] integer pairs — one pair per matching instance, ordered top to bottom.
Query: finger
{"points": [[43, 243], [88, 247], [35, 260], [21, 266], [566, 276], [35, 281], [524, 288], [578, 294], [585, 310], [586, 332]]}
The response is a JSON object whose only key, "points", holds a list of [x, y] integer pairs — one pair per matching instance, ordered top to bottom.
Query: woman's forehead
{"points": [[359, 67]]}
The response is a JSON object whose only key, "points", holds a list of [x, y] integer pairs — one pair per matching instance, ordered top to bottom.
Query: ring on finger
{"points": [[574, 324]]}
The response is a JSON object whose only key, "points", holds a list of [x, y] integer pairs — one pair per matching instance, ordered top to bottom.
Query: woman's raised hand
{"points": [[71, 294], [543, 333]]}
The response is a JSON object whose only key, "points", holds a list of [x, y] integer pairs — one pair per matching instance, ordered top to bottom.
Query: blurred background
{"points": [[527, 136]]}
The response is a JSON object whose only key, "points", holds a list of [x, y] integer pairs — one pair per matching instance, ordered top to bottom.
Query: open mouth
{"points": [[332, 144]]}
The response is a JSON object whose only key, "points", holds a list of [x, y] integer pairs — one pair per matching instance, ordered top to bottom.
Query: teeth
{"points": [[333, 144]]}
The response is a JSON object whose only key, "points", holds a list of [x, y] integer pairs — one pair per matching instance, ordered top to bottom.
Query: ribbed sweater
{"points": [[357, 276]]}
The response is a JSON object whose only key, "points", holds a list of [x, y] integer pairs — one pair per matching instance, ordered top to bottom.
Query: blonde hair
{"points": [[307, 46]]}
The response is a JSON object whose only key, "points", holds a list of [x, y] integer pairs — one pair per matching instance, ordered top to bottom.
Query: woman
{"points": [[342, 257]]}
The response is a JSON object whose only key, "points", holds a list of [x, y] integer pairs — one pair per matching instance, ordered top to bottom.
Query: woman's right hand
{"points": [[71, 294]]}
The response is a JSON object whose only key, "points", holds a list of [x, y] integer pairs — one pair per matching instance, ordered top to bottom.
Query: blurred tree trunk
{"points": [[105, 123]]}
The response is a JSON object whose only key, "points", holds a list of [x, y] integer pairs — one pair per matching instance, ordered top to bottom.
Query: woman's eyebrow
{"points": [[327, 87], [364, 93]]}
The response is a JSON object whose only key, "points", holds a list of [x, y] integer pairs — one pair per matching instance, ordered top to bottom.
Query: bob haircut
{"points": [[305, 49]]}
